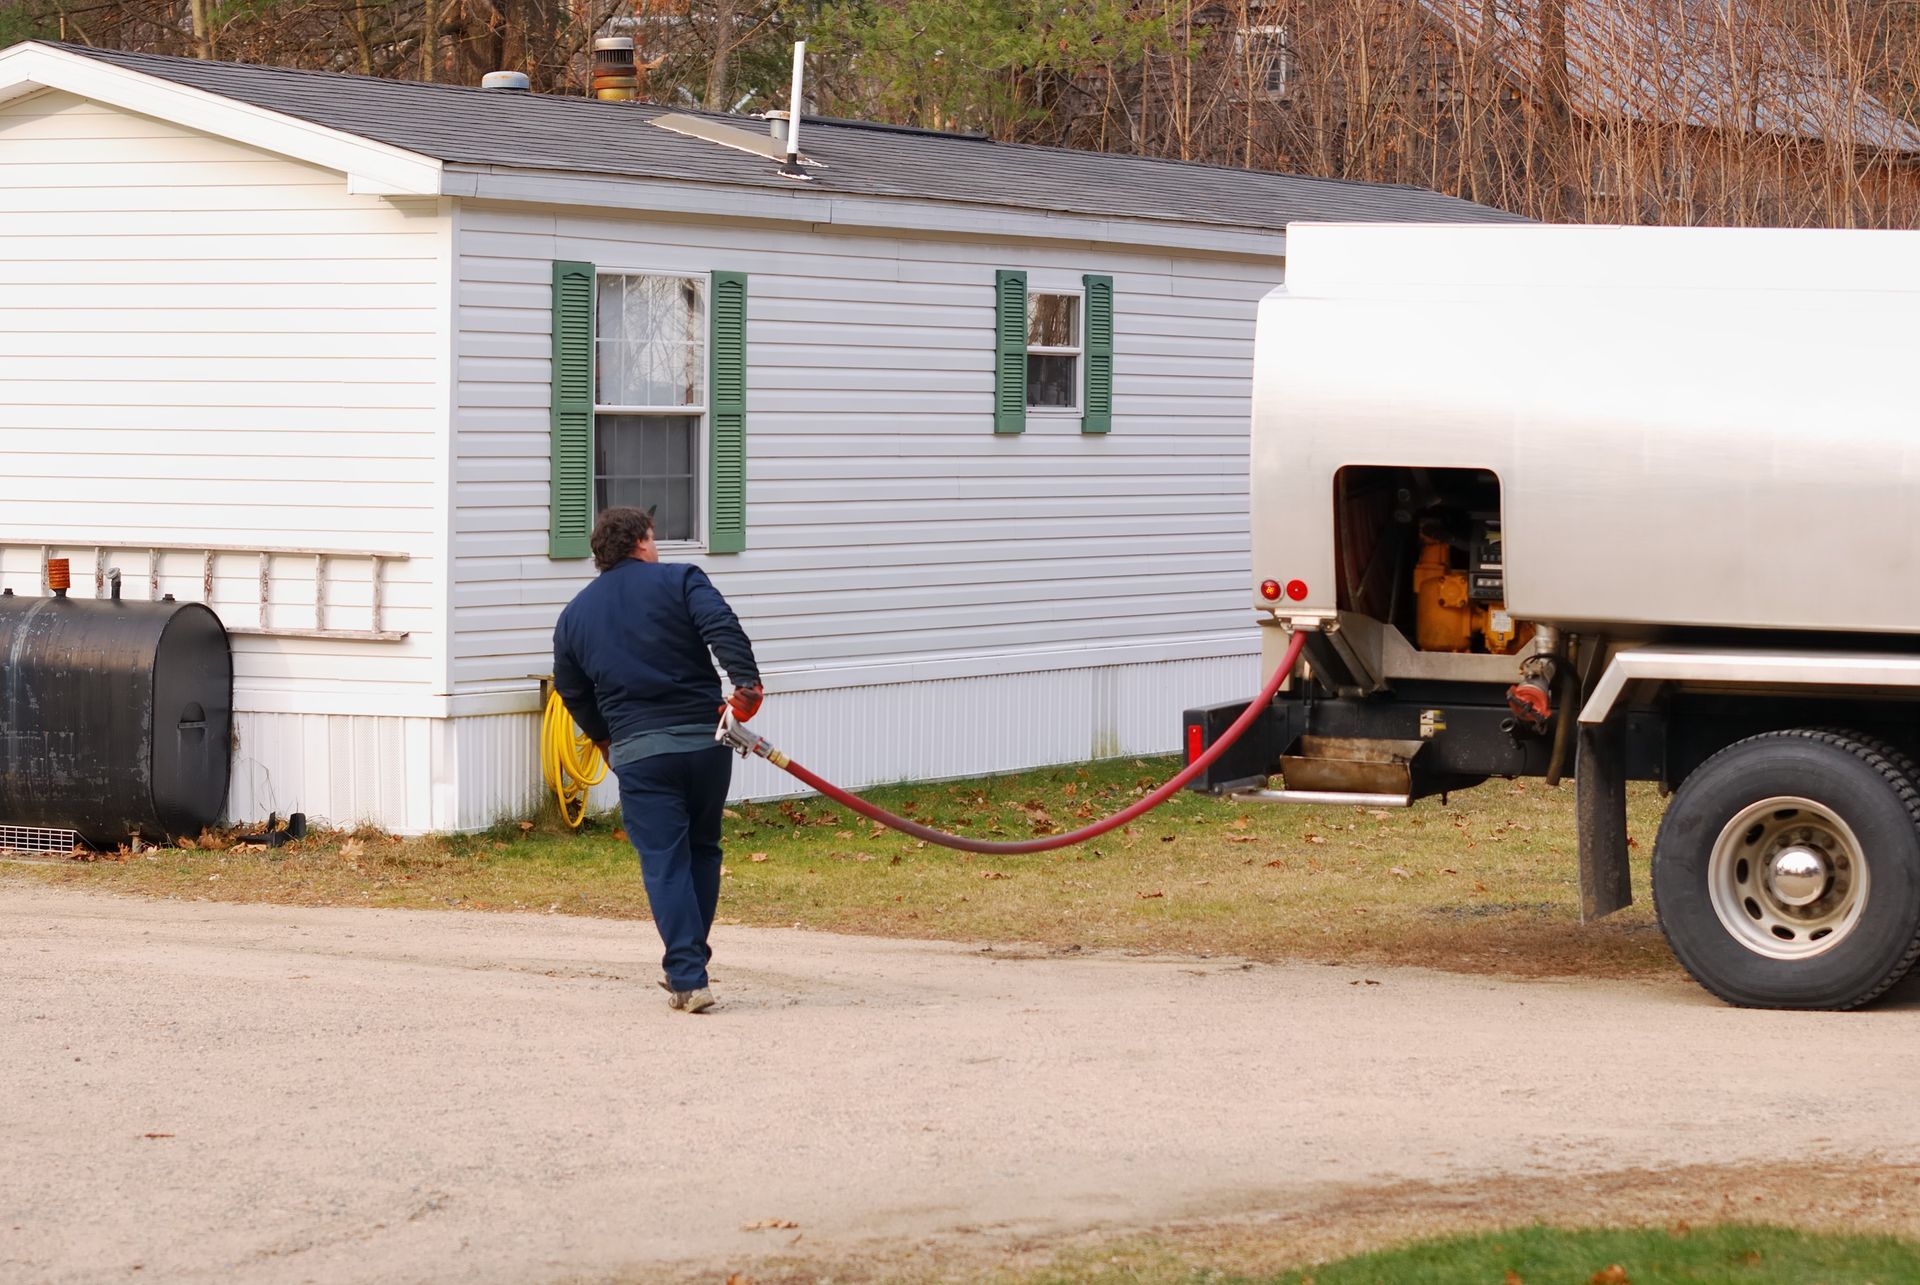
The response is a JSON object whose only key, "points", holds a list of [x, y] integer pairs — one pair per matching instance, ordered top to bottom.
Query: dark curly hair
{"points": [[615, 533]]}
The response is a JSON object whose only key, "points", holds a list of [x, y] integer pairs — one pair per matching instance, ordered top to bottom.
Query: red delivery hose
{"points": [[749, 743]]}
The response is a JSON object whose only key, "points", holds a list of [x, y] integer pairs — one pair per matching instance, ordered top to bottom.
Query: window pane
{"points": [[1053, 321], [651, 346], [1051, 381], [648, 461]]}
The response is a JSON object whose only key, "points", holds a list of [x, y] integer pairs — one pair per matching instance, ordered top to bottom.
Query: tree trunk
{"points": [[202, 29], [429, 37], [363, 43], [719, 72], [1556, 120]]}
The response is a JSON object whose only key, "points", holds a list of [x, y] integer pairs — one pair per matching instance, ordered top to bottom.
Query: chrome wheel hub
{"points": [[1798, 876], [1787, 878]]}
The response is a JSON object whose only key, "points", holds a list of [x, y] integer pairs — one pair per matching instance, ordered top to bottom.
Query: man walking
{"points": [[630, 659]]}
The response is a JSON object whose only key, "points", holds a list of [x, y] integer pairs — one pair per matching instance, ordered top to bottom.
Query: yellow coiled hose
{"points": [[572, 764]]}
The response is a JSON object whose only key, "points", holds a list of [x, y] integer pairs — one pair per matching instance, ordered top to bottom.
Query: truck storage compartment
{"points": [[1420, 549]]}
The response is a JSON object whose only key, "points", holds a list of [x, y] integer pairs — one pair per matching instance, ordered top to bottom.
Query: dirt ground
{"points": [[195, 1091]]}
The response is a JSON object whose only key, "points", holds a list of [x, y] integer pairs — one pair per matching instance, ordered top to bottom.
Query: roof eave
{"points": [[371, 167], [855, 211]]}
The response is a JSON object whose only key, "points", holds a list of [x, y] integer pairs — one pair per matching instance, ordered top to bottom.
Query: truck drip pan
{"points": [[1342, 765]]}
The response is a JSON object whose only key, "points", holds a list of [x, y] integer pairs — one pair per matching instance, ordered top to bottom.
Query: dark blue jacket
{"points": [[630, 651]]}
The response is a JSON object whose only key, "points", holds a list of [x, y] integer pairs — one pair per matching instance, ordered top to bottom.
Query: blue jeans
{"points": [[671, 804]]}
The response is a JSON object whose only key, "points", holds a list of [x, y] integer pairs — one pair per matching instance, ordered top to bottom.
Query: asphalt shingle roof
{"points": [[489, 127]]}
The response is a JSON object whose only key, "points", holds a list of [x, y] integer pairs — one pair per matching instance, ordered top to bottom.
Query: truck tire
{"points": [[1786, 873]]}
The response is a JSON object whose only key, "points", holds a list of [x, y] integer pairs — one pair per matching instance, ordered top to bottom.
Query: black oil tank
{"points": [[116, 717]]}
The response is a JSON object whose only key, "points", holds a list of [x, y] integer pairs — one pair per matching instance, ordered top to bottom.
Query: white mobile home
{"points": [[959, 427]]}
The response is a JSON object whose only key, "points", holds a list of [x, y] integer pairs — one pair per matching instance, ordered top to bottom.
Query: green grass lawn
{"points": [[1484, 881], [1720, 1255], [1706, 1256]]}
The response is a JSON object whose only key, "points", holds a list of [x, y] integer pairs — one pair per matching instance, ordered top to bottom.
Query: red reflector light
{"points": [[1296, 589], [1270, 590], [1194, 747]]}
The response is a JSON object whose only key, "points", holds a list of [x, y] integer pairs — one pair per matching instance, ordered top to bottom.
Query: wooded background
{"points": [[1795, 112]]}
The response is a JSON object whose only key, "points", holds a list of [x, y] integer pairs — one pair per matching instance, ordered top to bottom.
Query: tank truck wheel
{"points": [[1787, 871]]}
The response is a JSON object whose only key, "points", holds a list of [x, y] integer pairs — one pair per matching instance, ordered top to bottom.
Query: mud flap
{"points": [[1600, 813]]}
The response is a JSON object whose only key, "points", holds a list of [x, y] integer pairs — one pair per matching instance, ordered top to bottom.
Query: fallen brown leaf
{"points": [[525, 826], [620, 836], [1243, 838], [1314, 838], [187, 843], [353, 849], [756, 856], [1276, 864], [1400, 872], [993, 874], [1149, 896], [156, 1135], [771, 1224], [1611, 1274], [738, 1278], [1513, 1278]]}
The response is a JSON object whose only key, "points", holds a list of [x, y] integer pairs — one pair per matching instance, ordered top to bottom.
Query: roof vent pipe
{"points": [[615, 78], [514, 80], [792, 168]]}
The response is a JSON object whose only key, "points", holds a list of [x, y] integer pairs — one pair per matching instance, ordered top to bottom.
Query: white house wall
{"points": [[204, 342], [892, 536]]}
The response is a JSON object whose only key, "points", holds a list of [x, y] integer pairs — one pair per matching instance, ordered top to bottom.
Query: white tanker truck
{"points": [[1617, 504]]}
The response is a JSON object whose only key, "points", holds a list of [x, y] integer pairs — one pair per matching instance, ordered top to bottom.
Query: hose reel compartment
{"points": [[116, 717]]}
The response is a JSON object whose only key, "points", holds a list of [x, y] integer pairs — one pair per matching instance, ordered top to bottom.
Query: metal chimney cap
{"points": [[613, 42], [506, 80]]}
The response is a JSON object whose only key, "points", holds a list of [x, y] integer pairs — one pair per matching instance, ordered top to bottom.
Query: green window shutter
{"points": [[1010, 353], [1097, 406], [727, 415], [570, 499]]}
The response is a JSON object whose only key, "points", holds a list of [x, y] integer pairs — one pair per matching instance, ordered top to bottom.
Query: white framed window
{"points": [[1266, 51], [1054, 350], [650, 397]]}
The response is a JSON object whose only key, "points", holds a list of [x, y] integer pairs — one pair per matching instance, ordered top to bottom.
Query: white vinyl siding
{"points": [[204, 342], [887, 528]]}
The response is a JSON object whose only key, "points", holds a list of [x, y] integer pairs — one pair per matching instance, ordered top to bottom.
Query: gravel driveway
{"points": [[255, 1093]]}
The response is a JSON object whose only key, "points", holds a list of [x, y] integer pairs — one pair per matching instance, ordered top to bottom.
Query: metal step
{"points": [[1345, 770]]}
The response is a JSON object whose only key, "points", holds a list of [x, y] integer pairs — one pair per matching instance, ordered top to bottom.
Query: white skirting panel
{"points": [[343, 770], [412, 775]]}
